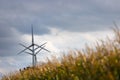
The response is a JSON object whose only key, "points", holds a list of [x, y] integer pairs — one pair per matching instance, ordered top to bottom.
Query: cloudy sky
{"points": [[63, 24]]}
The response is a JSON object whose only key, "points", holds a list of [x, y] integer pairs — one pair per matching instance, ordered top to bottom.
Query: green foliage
{"points": [[99, 63]]}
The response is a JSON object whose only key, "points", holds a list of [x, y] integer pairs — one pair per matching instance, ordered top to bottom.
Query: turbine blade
{"points": [[32, 34], [40, 45], [42, 48], [24, 49], [46, 50], [38, 51], [29, 53]]}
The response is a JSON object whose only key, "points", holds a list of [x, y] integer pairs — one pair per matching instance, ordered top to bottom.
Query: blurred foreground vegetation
{"points": [[102, 62]]}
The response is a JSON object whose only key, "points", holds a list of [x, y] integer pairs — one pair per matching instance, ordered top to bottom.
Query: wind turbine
{"points": [[32, 50]]}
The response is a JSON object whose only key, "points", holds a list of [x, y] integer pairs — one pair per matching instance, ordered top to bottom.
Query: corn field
{"points": [[102, 62]]}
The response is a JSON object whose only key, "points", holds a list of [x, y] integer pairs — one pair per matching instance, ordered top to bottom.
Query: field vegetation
{"points": [[101, 62]]}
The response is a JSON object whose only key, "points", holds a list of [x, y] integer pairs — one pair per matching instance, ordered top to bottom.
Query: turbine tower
{"points": [[33, 49]]}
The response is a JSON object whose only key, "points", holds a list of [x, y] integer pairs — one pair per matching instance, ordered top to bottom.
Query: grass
{"points": [[99, 63]]}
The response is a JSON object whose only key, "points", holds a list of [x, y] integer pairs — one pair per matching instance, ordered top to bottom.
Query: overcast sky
{"points": [[64, 24]]}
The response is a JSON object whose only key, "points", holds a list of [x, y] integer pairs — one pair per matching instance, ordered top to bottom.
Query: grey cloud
{"points": [[108, 5], [64, 14], [71, 15], [5, 32], [9, 39], [8, 47]]}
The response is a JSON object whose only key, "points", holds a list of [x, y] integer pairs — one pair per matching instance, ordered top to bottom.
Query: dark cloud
{"points": [[77, 15], [38, 29], [5, 32], [9, 39], [9, 46]]}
